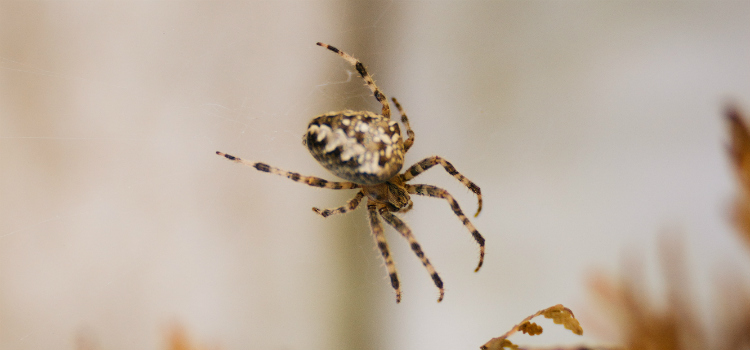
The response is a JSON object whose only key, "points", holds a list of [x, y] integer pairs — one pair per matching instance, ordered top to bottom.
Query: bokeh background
{"points": [[591, 127]]}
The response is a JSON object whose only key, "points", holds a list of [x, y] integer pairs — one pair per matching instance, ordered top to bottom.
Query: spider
{"points": [[367, 150]]}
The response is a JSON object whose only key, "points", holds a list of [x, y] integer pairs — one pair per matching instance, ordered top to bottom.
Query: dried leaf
{"points": [[739, 152], [558, 313], [562, 315], [530, 328]]}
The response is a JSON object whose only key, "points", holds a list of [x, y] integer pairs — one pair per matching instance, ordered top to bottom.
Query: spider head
{"points": [[361, 147], [392, 193], [398, 198]]}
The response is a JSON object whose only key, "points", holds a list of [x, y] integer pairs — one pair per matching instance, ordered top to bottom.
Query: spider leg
{"points": [[366, 76], [404, 119], [428, 163], [309, 180], [432, 191], [350, 205], [405, 231], [377, 232]]}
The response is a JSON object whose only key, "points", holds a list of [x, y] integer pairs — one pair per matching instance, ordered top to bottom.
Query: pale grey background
{"points": [[591, 127]]}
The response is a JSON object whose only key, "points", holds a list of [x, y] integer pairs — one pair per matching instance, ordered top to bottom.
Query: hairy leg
{"points": [[386, 112], [409, 132], [428, 163], [309, 180], [432, 191], [350, 205], [405, 231], [377, 233]]}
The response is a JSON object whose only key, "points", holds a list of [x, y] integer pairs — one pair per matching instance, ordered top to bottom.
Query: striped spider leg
{"points": [[386, 111], [405, 120], [427, 163], [309, 180], [437, 192], [405, 231], [377, 232]]}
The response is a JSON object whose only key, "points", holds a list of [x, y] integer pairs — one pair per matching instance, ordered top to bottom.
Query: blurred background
{"points": [[591, 127]]}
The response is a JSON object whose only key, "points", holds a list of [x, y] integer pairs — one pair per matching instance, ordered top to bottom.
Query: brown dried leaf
{"points": [[739, 152], [558, 313], [562, 315], [646, 326], [530, 328]]}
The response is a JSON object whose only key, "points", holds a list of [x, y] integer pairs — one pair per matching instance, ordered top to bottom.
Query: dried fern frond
{"points": [[739, 144], [739, 152], [558, 314], [644, 325], [676, 326]]}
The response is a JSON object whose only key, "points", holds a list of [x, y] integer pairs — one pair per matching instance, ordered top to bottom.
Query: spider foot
{"points": [[230, 157], [479, 208], [481, 258], [439, 284]]}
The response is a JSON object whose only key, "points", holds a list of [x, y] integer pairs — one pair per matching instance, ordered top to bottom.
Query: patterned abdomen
{"points": [[361, 147]]}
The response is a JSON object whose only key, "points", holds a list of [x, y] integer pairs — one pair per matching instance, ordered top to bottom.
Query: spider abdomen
{"points": [[360, 146]]}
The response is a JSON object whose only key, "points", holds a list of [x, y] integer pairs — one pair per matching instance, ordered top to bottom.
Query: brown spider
{"points": [[367, 150]]}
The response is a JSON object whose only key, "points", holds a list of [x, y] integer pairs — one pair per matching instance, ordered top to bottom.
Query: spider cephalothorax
{"points": [[367, 149]]}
